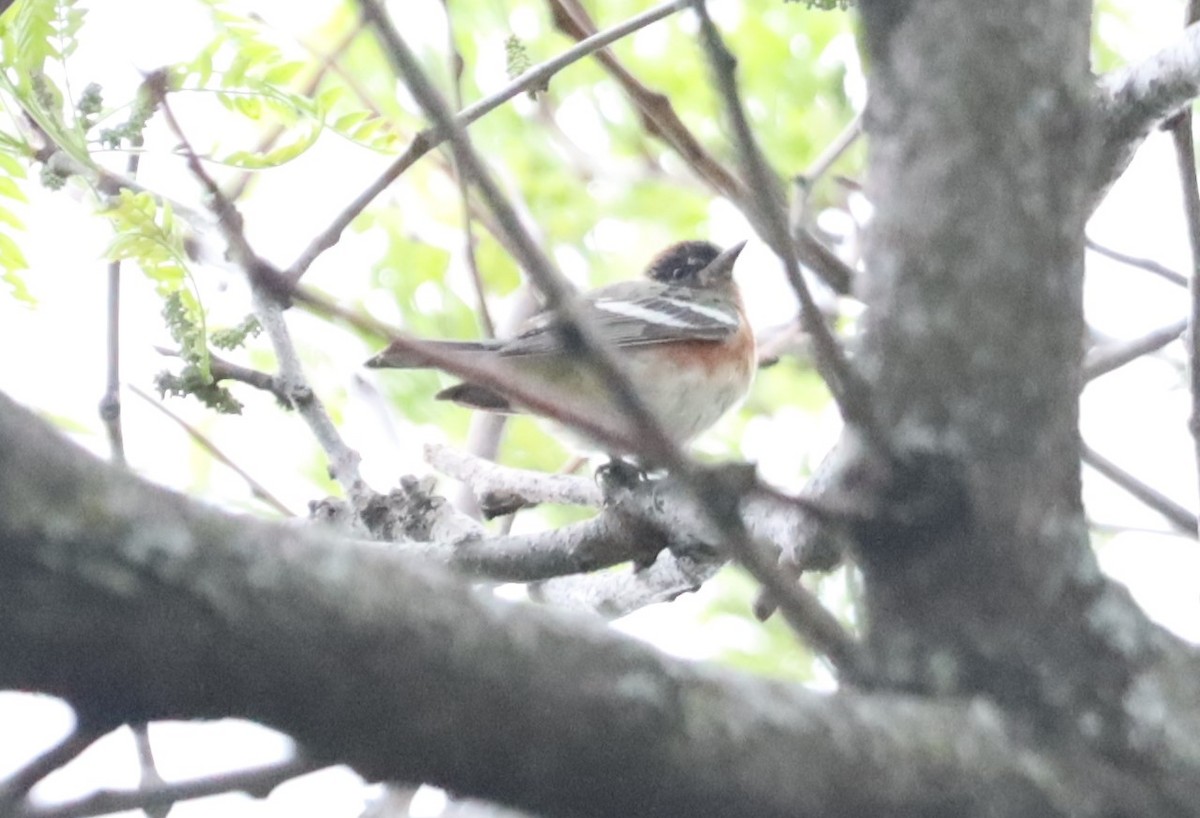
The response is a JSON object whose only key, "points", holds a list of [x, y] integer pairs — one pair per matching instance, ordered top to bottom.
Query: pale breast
{"points": [[696, 392]]}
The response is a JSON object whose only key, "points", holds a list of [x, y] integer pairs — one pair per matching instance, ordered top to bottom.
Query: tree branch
{"points": [[456, 67], [1136, 98], [660, 119], [1183, 137], [427, 140], [803, 183], [765, 199], [1149, 265], [271, 291], [1102, 360], [223, 370], [110, 402], [488, 478], [256, 488], [667, 505], [1179, 517], [613, 594], [139, 604], [14, 789], [156, 799]]}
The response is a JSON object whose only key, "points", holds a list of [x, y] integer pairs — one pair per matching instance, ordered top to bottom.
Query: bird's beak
{"points": [[720, 269]]}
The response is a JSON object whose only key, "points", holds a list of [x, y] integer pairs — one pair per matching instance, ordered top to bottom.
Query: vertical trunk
{"points": [[981, 134]]}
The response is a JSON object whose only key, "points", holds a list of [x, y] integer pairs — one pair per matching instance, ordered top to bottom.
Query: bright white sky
{"points": [[56, 363]]}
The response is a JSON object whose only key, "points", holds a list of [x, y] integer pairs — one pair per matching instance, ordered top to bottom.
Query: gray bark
{"points": [[135, 603], [1009, 677]]}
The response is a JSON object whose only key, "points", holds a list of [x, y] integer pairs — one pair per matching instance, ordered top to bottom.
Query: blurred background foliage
{"points": [[303, 100]]}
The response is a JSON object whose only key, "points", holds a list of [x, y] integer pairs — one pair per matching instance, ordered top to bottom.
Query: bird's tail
{"points": [[406, 356], [474, 396]]}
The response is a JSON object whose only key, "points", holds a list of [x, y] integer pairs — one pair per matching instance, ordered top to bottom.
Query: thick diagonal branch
{"points": [[1135, 99], [134, 603]]}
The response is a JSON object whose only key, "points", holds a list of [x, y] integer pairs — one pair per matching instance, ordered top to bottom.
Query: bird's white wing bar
{"points": [[641, 312], [717, 314]]}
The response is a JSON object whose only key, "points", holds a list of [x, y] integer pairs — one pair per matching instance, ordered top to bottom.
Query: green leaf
{"points": [[201, 67], [283, 73], [329, 97], [249, 107], [345, 123], [364, 128], [283, 152], [11, 165], [10, 189], [10, 218], [149, 236], [11, 257], [235, 337]]}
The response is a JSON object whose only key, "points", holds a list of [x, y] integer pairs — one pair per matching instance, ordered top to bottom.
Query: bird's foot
{"points": [[618, 474]]}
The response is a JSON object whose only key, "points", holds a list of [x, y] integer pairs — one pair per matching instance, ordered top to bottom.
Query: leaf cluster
{"points": [[196, 378]]}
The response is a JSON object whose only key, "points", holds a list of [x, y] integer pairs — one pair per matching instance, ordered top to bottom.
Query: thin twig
{"points": [[659, 115], [660, 119], [427, 140], [422, 143], [834, 150], [1185, 154], [104, 181], [803, 183], [464, 193], [229, 220], [1149, 265], [271, 291], [773, 342], [1102, 360], [223, 370], [849, 391], [110, 403], [487, 428], [343, 461], [486, 477], [256, 488], [1176, 514], [1101, 527], [803, 612], [150, 778], [257, 783], [14, 789]]}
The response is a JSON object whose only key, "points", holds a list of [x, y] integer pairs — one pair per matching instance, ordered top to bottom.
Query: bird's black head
{"points": [[693, 264]]}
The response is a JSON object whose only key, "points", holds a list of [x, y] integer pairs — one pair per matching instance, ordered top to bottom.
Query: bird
{"points": [[679, 333]]}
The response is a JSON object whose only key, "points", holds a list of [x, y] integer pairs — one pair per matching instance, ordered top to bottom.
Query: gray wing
{"points": [[634, 313]]}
